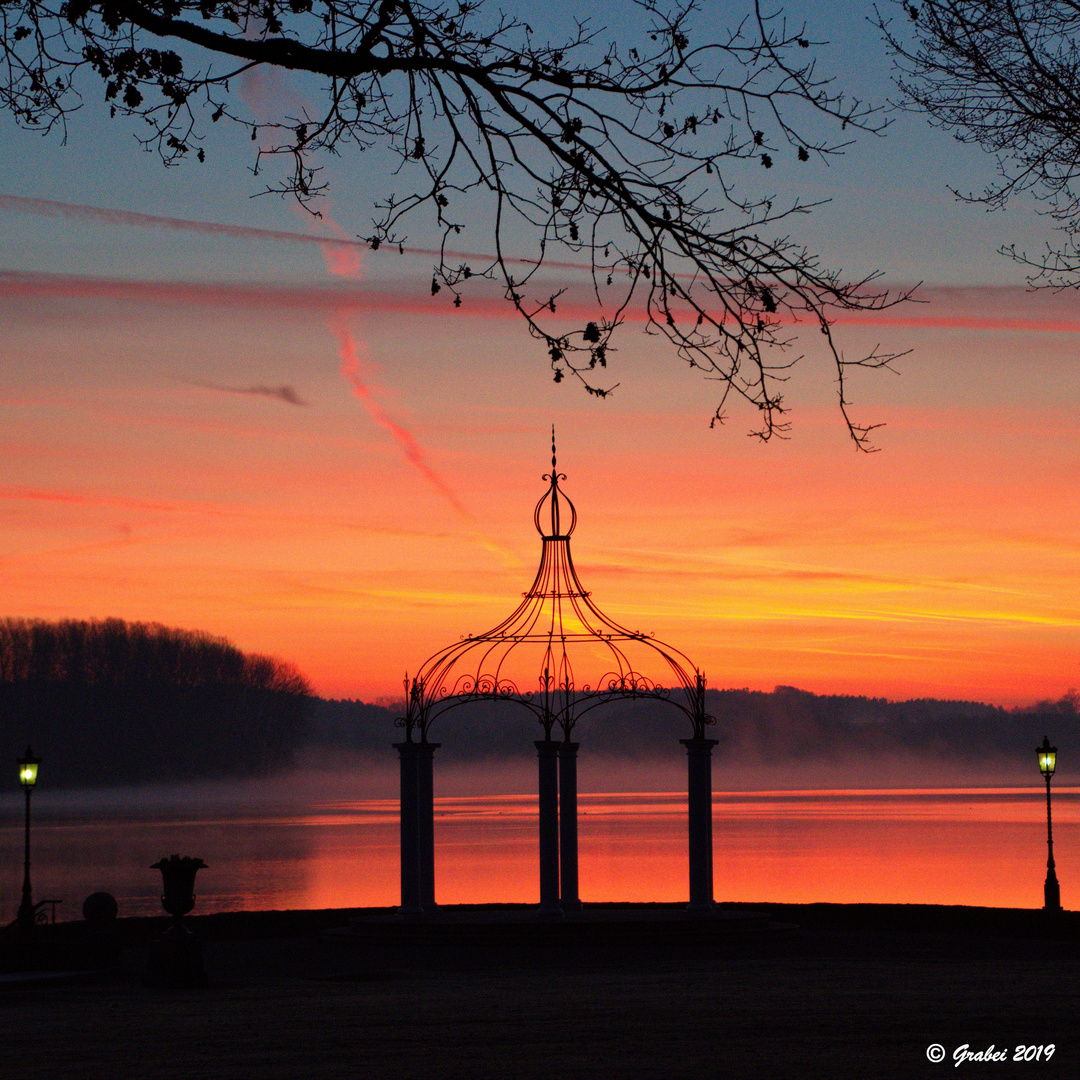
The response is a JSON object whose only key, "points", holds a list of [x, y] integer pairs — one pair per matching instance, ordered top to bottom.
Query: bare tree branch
{"points": [[634, 157]]}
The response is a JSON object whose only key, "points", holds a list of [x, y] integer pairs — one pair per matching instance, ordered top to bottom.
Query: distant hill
{"points": [[786, 725]]}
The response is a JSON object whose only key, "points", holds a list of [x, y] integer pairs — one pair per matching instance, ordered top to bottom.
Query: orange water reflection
{"points": [[960, 846]]}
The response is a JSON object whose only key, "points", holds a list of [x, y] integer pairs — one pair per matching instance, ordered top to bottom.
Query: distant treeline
{"points": [[112, 702], [796, 724], [783, 725]]}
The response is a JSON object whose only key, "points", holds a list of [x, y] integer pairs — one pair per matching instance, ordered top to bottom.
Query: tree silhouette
{"points": [[1005, 75], [633, 156], [127, 702]]}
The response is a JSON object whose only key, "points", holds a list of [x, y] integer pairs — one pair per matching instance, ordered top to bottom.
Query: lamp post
{"points": [[1047, 755], [28, 770]]}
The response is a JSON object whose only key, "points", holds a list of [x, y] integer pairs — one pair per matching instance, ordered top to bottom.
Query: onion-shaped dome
{"points": [[554, 511]]}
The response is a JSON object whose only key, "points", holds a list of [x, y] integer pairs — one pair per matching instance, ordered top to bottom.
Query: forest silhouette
{"points": [[111, 702], [783, 725]]}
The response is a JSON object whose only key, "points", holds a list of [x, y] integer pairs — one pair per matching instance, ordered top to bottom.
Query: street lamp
{"points": [[1047, 764], [28, 770]]}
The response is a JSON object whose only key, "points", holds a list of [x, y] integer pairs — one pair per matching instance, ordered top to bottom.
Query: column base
{"points": [[1052, 894], [411, 914], [26, 918], [175, 960]]}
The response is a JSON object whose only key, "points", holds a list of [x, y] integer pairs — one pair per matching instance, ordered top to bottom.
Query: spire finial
{"points": [[555, 497]]}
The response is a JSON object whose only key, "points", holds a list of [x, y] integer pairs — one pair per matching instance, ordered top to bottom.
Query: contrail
{"points": [[266, 92], [99, 215], [102, 216], [346, 262], [350, 349], [350, 368]]}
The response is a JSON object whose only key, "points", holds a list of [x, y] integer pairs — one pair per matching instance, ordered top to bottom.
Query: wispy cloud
{"points": [[98, 215], [195, 294], [962, 322], [280, 393], [75, 498], [81, 498]]}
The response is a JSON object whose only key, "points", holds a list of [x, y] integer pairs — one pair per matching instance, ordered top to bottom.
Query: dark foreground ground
{"points": [[806, 991]]}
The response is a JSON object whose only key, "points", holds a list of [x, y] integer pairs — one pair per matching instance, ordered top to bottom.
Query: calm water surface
{"points": [[982, 846]]}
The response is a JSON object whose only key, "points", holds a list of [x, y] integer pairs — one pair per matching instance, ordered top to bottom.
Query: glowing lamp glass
{"points": [[1047, 755], [28, 768]]}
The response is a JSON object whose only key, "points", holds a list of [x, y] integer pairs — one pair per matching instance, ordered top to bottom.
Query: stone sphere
{"points": [[99, 909]]}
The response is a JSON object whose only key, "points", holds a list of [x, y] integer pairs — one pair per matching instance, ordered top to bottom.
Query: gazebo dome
{"points": [[557, 653]]}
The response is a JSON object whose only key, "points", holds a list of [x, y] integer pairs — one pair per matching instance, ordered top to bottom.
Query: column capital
{"points": [[699, 745], [415, 749]]}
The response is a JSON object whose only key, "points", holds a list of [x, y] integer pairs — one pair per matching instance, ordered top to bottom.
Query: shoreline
{"points": [[902, 917]]}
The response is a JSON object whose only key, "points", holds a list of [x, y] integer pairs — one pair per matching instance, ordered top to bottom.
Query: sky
{"points": [[297, 447]]}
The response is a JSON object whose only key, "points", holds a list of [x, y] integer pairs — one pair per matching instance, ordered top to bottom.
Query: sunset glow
{"points": [[232, 415], [156, 471]]}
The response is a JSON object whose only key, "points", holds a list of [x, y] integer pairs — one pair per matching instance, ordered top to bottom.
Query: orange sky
{"points": [[208, 421], [155, 470]]}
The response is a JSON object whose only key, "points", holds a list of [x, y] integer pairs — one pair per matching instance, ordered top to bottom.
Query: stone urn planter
{"points": [[178, 884], [176, 957]]}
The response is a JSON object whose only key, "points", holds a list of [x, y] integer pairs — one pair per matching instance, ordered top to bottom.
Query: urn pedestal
{"points": [[176, 957]]}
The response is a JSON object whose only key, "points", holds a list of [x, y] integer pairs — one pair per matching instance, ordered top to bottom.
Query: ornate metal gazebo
{"points": [[555, 633]]}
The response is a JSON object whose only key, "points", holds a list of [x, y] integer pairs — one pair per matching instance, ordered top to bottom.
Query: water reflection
{"points": [[962, 846]]}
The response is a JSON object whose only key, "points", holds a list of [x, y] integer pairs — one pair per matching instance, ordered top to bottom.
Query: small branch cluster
{"points": [[1005, 75]]}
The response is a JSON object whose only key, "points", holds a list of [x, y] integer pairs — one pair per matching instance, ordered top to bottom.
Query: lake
{"points": [[268, 848]]}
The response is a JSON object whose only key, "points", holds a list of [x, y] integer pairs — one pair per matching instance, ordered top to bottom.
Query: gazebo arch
{"points": [[556, 624]]}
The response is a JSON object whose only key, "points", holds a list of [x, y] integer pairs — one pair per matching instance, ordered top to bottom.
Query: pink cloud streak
{"points": [[346, 262], [337, 300], [78, 498], [123, 502]]}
